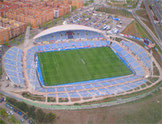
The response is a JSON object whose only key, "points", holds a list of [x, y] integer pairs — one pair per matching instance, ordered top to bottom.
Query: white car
{"points": [[118, 26], [11, 112], [8, 113], [22, 120]]}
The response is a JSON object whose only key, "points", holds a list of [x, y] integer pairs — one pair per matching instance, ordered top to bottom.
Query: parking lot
{"points": [[100, 20], [11, 110]]}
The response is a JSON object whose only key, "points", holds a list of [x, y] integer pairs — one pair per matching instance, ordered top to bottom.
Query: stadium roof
{"points": [[66, 27]]}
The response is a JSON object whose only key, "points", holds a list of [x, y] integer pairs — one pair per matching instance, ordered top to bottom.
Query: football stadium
{"points": [[71, 64]]}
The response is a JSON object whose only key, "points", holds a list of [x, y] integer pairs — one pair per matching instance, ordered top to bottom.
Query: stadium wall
{"points": [[40, 77], [78, 107]]}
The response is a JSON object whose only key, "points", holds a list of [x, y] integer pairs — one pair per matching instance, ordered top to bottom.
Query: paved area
{"points": [[99, 20], [156, 27], [18, 117]]}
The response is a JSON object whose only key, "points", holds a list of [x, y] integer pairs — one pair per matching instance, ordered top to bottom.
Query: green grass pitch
{"points": [[69, 66]]}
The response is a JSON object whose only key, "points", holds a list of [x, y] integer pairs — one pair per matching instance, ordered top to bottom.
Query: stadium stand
{"points": [[65, 35], [141, 53], [13, 66], [136, 67], [87, 89]]}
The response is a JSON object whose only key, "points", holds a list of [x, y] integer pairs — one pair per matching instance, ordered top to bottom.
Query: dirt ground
{"points": [[131, 30], [144, 111]]}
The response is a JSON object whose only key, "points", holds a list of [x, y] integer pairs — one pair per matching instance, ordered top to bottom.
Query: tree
{"points": [[91, 1], [73, 8], [6, 43], [23, 106], [31, 112], [3, 113], [40, 115], [50, 117], [45, 118], [12, 119], [2, 122]]}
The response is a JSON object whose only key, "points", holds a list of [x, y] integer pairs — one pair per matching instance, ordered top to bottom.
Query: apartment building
{"points": [[9, 29]]}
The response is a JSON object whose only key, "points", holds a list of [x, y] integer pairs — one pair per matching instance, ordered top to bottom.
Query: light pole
{"points": [[152, 66]]}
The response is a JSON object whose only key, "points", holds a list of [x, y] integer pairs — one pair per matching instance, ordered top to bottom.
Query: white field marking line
{"points": [[83, 61], [84, 64], [43, 71]]}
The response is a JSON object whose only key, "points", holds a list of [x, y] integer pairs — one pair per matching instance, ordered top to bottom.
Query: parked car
{"points": [[1, 100], [7, 105], [10, 107], [15, 110], [11, 112], [8, 113], [20, 113], [25, 117], [22, 120], [31, 122]]}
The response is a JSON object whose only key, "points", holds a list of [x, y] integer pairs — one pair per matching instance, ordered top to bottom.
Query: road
{"points": [[138, 5], [157, 9], [133, 11], [156, 27], [147, 29]]}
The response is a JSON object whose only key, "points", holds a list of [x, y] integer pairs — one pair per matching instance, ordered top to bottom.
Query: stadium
{"points": [[71, 64]]}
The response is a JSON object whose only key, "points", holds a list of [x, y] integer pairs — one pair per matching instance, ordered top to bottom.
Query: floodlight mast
{"points": [[152, 66]]}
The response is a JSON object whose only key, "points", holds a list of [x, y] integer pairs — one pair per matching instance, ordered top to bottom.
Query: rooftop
{"points": [[66, 27]]}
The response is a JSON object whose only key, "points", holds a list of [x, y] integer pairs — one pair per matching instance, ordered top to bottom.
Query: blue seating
{"points": [[63, 35], [141, 53], [13, 66], [96, 85], [88, 86], [79, 87], [70, 88], [60, 89], [89, 89], [42, 90], [50, 90], [94, 92], [85, 94], [51, 95], [62, 95], [73, 95]]}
